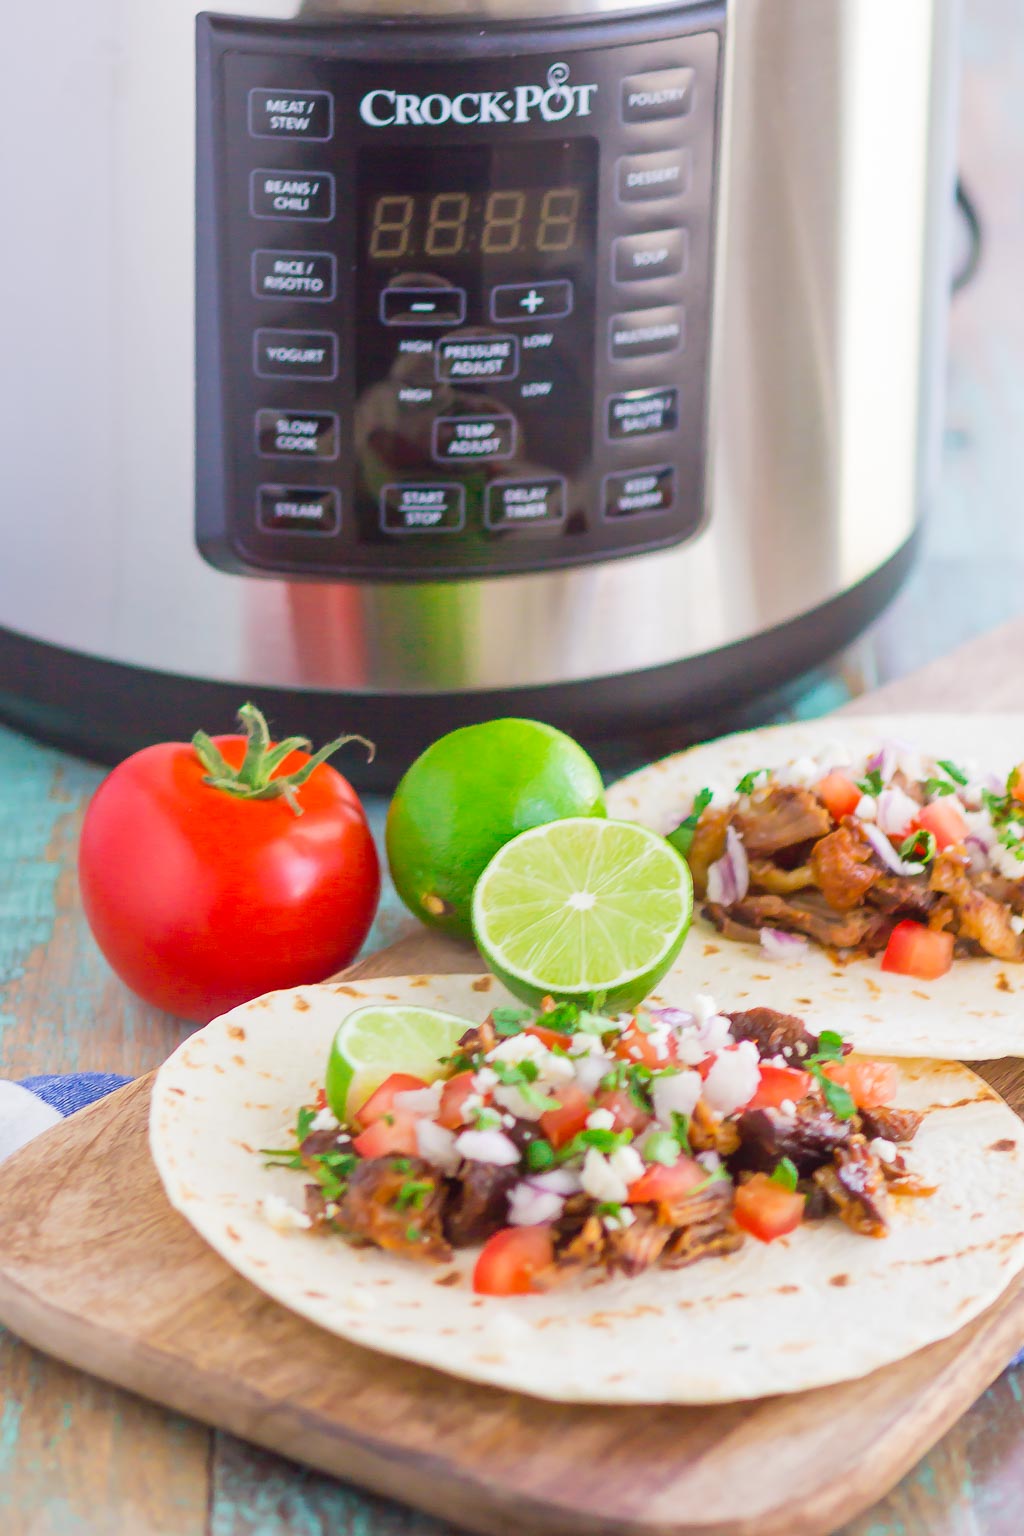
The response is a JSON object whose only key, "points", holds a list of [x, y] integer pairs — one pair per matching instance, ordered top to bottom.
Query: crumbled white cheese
{"points": [[804, 771], [1006, 862], [1017, 924], [704, 1007], [716, 1034], [658, 1039], [585, 1045], [518, 1048], [689, 1049], [591, 1069], [733, 1079], [485, 1080], [676, 1093], [509, 1097], [419, 1101], [470, 1104], [324, 1120], [600, 1120], [436, 1145], [487, 1147], [884, 1150], [627, 1163], [600, 1180], [529, 1206], [284, 1217], [619, 1221]]}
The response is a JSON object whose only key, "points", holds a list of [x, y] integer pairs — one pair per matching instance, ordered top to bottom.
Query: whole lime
{"points": [[468, 795]]}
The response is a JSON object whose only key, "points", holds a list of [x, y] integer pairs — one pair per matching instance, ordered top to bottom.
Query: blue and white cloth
{"points": [[35, 1103]]}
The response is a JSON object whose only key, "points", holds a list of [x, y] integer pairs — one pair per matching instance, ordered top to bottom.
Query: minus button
{"points": [[423, 306]]}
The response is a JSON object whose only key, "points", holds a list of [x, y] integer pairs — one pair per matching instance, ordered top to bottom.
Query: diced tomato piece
{"points": [[1016, 783], [840, 795], [945, 821], [914, 950], [549, 1037], [634, 1046], [869, 1083], [778, 1084], [454, 1094], [383, 1101], [320, 1102], [628, 1115], [562, 1124], [393, 1133], [666, 1183], [767, 1210], [511, 1259]]}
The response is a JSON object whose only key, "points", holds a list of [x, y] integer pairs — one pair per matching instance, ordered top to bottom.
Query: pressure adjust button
{"points": [[663, 93], [275, 114], [645, 178], [292, 195], [639, 258], [295, 354], [477, 356], [642, 413], [469, 439], [639, 491], [515, 503], [429, 508], [297, 509]]}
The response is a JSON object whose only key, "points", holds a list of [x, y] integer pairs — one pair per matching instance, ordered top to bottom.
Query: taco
{"points": [[871, 868], [670, 1206]]}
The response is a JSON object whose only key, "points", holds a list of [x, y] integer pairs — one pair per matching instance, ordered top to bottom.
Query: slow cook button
{"points": [[662, 93], [280, 114], [644, 178], [292, 195], [639, 258], [293, 275], [646, 332], [295, 354], [472, 357], [642, 413], [296, 434], [468, 439], [638, 491], [516, 503], [422, 508], [297, 509]]}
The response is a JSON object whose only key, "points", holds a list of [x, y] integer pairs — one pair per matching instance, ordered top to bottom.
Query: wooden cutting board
{"points": [[97, 1269]]}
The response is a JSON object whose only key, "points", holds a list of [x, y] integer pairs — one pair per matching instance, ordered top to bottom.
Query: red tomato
{"points": [[1016, 783], [839, 794], [945, 821], [200, 899], [914, 950], [552, 1038], [634, 1046], [869, 1083], [778, 1084], [453, 1098], [382, 1102], [628, 1116], [561, 1125], [393, 1133], [661, 1183], [767, 1210], [511, 1258]]}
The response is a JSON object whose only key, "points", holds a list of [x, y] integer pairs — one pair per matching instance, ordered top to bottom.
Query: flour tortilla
{"points": [[973, 1013], [821, 1306]]}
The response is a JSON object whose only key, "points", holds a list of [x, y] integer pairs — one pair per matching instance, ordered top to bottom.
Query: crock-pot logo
{"points": [[551, 103]]}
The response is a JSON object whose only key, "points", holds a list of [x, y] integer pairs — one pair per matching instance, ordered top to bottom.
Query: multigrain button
{"points": [[663, 93], [280, 114], [645, 178], [292, 195], [640, 258], [308, 275], [646, 332], [295, 354], [477, 356], [642, 413], [296, 434], [469, 439], [639, 491], [519, 503], [428, 508], [298, 509]]}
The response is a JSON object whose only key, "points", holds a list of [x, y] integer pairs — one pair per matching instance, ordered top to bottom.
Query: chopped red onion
{"points": [[883, 762], [895, 812], [978, 849], [887, 853], [729, 877], [780, 945], [675, 1018], [488, 1147], [557, 1181], [529, 1206]]}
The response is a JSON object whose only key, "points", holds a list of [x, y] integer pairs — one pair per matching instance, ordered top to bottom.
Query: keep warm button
{"points": [[475, 356], [642, 413]]}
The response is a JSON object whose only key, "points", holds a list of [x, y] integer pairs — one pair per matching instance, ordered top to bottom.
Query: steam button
{"points": [[662, 93], [300, 509]]}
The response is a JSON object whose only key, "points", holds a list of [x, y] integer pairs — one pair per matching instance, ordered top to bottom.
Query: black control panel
{"points": [[453, 292]]}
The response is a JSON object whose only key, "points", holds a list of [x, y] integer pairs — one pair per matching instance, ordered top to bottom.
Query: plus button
{"points": [[532, 301]]}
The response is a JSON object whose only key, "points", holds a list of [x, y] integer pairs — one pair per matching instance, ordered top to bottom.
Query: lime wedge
{"points": [[583, 906], [376, 1041]]}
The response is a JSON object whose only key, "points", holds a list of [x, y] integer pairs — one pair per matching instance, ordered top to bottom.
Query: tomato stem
{"points": [[257, 777]]}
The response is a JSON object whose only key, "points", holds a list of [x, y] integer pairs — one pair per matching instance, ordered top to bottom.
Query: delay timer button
{"points": [[663, 93], [280, 114], [520, 503]]}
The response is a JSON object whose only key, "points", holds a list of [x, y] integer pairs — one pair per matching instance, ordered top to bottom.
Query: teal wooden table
{"points": [[79, 1457]]}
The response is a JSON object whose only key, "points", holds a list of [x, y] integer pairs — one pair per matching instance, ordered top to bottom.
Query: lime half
{"points": [[583, 906], [376, 1041]]}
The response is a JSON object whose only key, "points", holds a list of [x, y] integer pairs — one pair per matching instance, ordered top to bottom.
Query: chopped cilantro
{"points": [[952, 771], [748, 781], [872, 783], [935, 787], [997, 805], [682, 836], [919, 846], [564, 1018], [509, 1021], [589, 1023], [830, 1047], [521, 1076], [617, 1077], [638, 1080], [836, 1097], [486, 1118], [304, 1123], [681, 1129], [596, 1137], [662, 1147], [540, 1154], [401, 1164], [785, 1174], [413, 1194], [608, 1208], [413, 1235]]}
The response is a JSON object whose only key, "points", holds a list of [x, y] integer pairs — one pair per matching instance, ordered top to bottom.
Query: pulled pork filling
{"points": [[842, 853], [656, 1137]]}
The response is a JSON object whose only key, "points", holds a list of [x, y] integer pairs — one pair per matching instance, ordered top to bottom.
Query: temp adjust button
{"points": [[663, 93], [275, 114], [289, 195], [639, 258], [293, 275], [646, 333], [295, 354], [473, 356], [642, 413], [296, 434], [466, 439], [639, 490], [513, 503], [422, 508], [297, 509]]}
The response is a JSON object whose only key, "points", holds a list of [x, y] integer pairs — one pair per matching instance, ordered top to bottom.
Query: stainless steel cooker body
{"points": [[834, 190]]}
